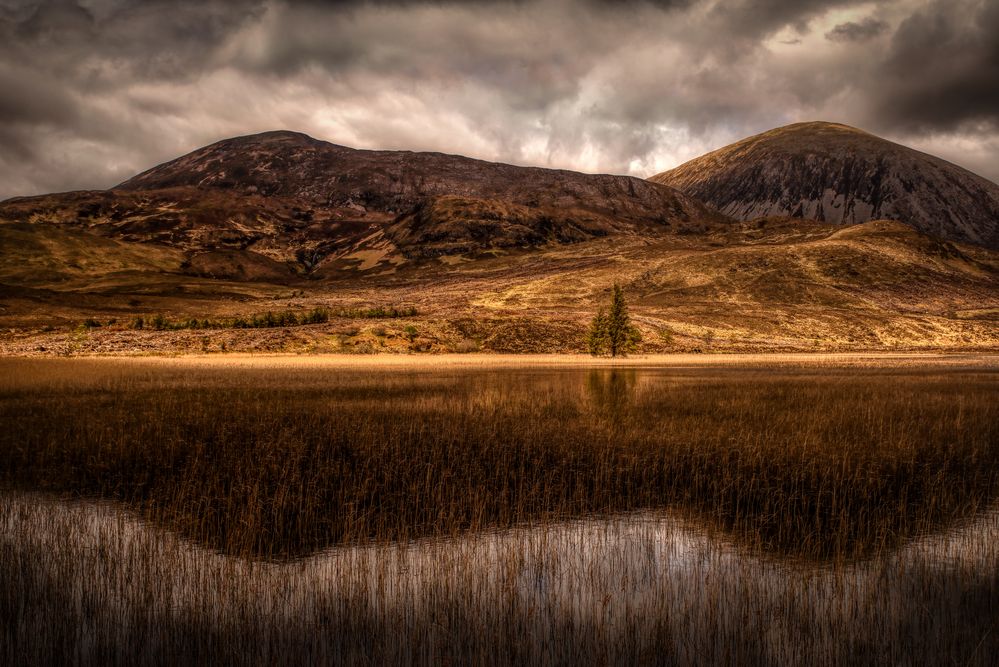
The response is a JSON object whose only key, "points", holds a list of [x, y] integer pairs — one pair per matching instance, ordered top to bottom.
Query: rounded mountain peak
{"points": [[840, 174]]}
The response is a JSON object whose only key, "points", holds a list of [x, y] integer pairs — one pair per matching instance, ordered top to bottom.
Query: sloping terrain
{"points": [[290, 164], [838, 174], [281, 204], [196, 221], [452, 225], [429, 252], [53, 256], [771, 285]]}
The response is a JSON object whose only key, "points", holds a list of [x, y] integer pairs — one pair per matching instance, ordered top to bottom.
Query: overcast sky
{"points": [[93, 91]]}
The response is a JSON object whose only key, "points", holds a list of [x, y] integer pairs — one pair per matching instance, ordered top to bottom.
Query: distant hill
{"points": [[294, 165], [839, 174], [314, 207]]}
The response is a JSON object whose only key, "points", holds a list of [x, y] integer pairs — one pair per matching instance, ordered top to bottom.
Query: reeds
{"points": [[275, 466], [829, 471]]}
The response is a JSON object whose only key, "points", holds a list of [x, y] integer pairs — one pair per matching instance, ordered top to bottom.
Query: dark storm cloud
{"points": [[760, 18], [853, 31], [114, 39], [942, 71], [95, 90], [28, 101]]}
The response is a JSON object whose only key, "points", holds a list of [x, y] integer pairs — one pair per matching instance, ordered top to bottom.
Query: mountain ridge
{"points": [[832, 172], [394, 181], [321, 207]]}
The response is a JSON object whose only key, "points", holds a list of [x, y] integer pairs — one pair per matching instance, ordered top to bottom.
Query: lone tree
{"points": [[611, 332]]}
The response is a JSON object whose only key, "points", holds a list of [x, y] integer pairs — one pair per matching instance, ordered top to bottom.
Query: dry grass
{"points": [[780, 287], [836, 469]]}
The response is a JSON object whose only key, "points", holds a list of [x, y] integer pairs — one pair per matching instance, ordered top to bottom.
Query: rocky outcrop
{"points": [[293, 165], [838, 174], [451, 225]]}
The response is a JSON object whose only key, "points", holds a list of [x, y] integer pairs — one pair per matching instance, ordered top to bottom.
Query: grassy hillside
{"points": [[773, 284]]}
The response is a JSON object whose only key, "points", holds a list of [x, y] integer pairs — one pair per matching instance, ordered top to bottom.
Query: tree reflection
{"points": [[611, 391]]}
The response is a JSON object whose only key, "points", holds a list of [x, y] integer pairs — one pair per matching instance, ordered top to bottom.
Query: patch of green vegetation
{"points": [[268, 320]]}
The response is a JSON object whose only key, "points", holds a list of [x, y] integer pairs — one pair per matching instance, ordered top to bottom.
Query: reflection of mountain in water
{"points": [[834, 467], [804, 515], [618, 589]]}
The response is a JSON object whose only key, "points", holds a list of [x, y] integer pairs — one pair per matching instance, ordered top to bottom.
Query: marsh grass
{"points": [[263, 465], [826, 469]]}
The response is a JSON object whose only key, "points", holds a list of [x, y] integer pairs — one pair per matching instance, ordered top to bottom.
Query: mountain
{"points": [[294, 165], [838, 174], [293, 204], [468, 254]]}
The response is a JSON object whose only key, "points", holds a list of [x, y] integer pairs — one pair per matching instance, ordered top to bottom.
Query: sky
{"points": [[94, 91]]}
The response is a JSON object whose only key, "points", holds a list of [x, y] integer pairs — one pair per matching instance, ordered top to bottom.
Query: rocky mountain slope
{"points": [[289, 164], [838, 174], [285, 203]]}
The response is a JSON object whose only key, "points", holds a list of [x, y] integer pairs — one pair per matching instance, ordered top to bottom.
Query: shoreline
{"points": [[552, 360]]}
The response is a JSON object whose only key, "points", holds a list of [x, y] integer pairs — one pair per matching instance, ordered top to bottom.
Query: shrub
{"points": [[315, 316], [286, 318], [597, 340], [466, 345]]}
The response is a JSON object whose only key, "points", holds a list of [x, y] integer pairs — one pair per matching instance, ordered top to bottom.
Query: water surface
{"points": [[159, 513]]}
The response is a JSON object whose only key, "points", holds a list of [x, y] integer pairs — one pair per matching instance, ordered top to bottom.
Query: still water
{"points": [[161, 513], [650, 587]]}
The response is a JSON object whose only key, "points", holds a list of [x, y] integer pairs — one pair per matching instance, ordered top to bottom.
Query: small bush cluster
{"points": [[379, 312], [267, 320], [270, 320], [466, 345]]}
